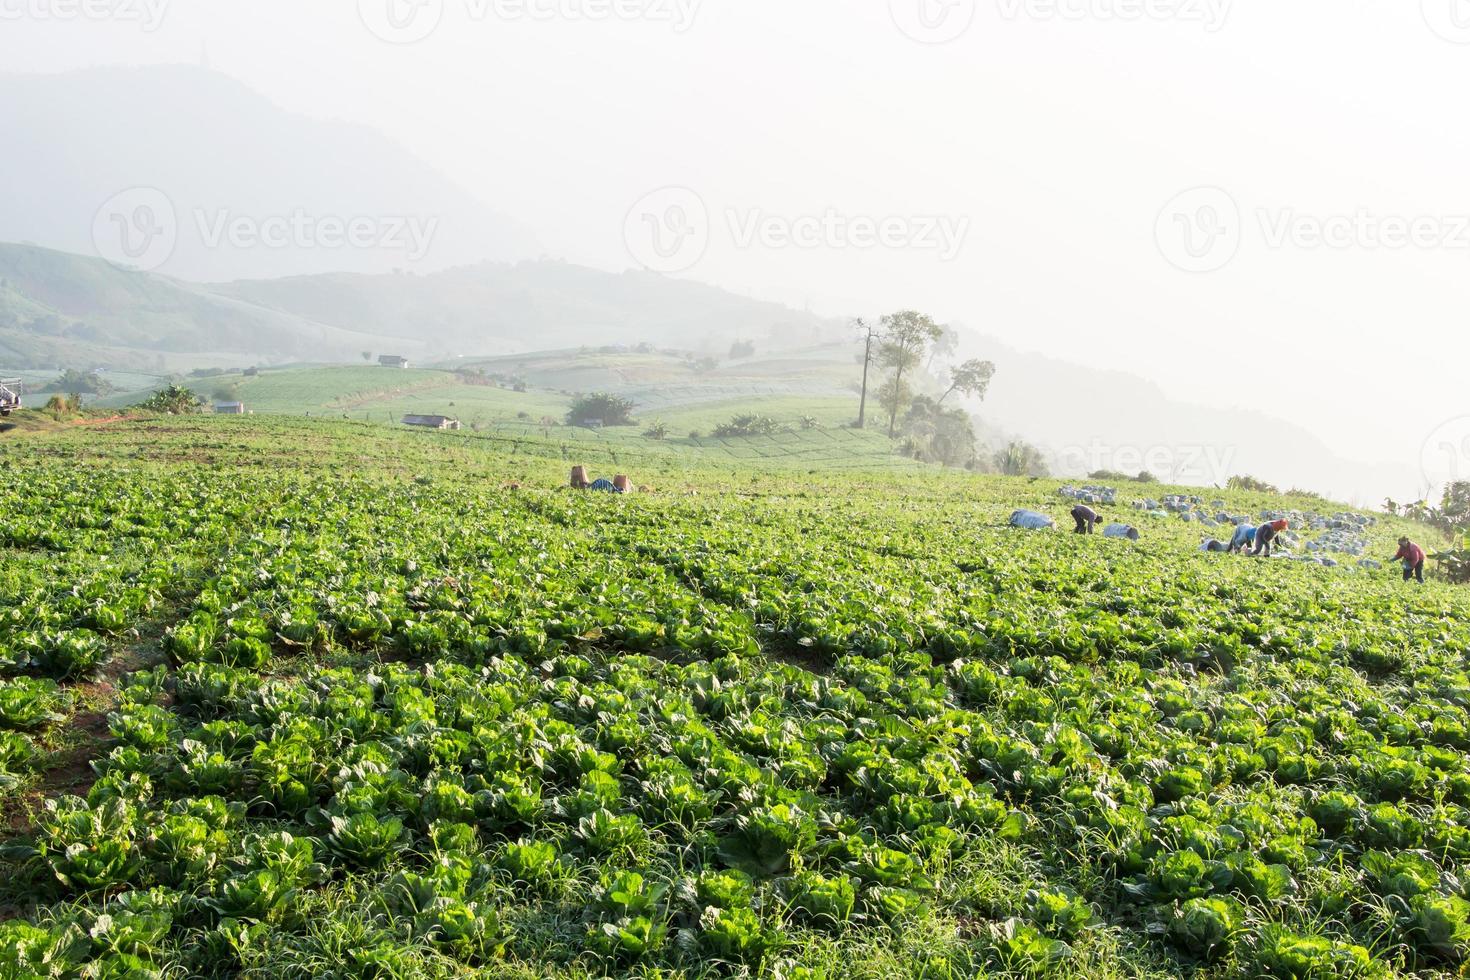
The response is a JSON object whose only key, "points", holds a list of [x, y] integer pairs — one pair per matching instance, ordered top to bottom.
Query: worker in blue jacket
{"points": [[1245, 538]]}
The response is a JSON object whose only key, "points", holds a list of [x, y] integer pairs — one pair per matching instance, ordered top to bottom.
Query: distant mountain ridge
{"points": [[251, 190], [531, 306], [64, 310], [1129, 424]]}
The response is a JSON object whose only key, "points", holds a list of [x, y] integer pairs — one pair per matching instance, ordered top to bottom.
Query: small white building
{"points": [[393, 361], [229, 408], [432, 422]]}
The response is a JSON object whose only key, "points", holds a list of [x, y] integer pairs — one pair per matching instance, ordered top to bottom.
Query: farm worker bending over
{"points": [[1085, 517], [1267, 533], [1245, 537], [1413, 558]]}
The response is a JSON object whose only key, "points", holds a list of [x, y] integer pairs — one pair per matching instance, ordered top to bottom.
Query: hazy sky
{"points": [[1026, 167]]}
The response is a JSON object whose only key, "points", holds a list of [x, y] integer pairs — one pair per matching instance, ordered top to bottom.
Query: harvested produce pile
{"points": [[411, 724]]}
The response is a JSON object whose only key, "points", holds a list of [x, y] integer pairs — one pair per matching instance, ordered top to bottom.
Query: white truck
{"points": [[9, 395]]}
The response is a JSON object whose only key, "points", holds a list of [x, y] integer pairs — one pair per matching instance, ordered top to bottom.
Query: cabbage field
{"points": [[290, 699]]}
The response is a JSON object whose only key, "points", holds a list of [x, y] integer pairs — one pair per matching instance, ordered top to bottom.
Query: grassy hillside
{"points": [[63, 309], [666, 388], [315, 698]]}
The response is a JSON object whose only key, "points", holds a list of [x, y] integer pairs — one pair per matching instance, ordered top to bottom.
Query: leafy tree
{"points": [[906, 336], [944, 346], [741, 349], [367, 355], [970, 378], [75, 382], [893, 396], [172, 400], [61, 406], [601, 408], [747, 425], [658, 430], [937, 435], [1020, 459], [1113, 476], [1246, 482], [1454, 508]]}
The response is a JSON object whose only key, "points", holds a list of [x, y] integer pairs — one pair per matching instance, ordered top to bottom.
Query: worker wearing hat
{"points": [[1267, 533]]}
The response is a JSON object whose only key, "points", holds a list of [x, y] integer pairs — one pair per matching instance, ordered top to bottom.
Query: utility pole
{"points": [[869, 334]]}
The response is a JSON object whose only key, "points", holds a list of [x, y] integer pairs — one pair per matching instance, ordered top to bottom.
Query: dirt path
{"points": [[70, 772]]}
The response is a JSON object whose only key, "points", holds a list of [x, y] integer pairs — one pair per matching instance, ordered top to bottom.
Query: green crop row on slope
{"points": [[416, 722]]}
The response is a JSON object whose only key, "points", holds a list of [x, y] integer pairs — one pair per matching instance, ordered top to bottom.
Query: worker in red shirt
{"points": [[1267, 533], [1413, 558]]}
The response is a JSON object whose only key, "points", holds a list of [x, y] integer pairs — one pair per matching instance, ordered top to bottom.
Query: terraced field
{"points": [[292, 698]]}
